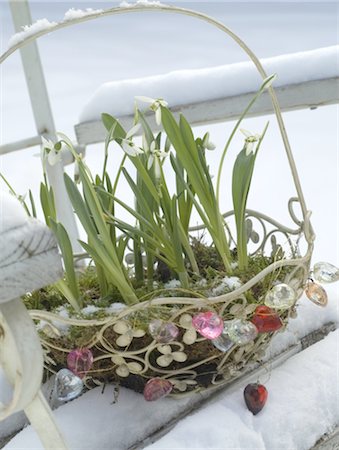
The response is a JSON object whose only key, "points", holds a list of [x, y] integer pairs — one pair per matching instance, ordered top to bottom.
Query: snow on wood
{"points": [[192, 87], [29, 257], [223, 422]]}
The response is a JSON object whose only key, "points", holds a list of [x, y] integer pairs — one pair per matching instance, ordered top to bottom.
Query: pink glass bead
{"points": [[208, 324], [163, 332], [80, 361], [156, 388]]}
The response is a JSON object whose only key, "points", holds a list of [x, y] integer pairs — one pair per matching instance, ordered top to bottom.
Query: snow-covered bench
{"points": [[306, 80], [29, 259]]}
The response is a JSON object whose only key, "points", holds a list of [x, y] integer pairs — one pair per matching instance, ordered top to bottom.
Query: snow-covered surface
{"points": [[125, 4], [30, 30], [128, 47], [193, 86], [12, 214], [308, 382], [302, 405], [94, 411]]}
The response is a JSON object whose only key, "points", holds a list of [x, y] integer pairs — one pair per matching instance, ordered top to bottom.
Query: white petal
{"points": [[144, 99], [158, 116], [133, 131], [246, 133], [152, 146], [130, 149], [53, 157], [150, 162], [185, 321], [121, 327], [138, 333], [190, 336], [124, 340], [165, 349], [179, 356], [118, 360], [164, 360], [134, 367], [122, 371]]}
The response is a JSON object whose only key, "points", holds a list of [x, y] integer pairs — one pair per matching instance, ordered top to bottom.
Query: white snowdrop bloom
{"points": [[155, 105], [250, 140], [127, 143], [207, 144], [49, 152], [154, 155]]}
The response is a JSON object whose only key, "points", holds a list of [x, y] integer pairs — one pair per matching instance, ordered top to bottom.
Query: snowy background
{"points": [[76, 63]]}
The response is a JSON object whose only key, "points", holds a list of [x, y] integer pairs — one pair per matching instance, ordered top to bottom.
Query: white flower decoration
{"points": [[155, 106], [127, 143], [154, 155], [127, 333], [190, 335], [168, 356], [125, 368], [182, 385]]}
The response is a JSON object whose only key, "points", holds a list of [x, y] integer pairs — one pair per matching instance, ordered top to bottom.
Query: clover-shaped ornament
{"points": [[127, 333], [190, 335], [168, 356], [124, 368]]}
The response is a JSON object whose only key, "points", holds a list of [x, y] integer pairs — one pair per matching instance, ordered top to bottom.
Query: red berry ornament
{"points": [[255, 396]]}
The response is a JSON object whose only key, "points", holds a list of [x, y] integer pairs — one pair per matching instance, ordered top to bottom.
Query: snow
{"points": [[125, 4], [73, 13], [275, 29], [31, 30], [191, 86], [12, 213], [227, 284], [306, 382], [302, 405]]}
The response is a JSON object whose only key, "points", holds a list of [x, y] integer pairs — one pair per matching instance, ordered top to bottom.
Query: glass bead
{"points": [[324, 272], [281, 296], [67, 385]]}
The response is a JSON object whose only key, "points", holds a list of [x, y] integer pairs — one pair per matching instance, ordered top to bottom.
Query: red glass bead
{"points": [[266, 320], [255, 396]]}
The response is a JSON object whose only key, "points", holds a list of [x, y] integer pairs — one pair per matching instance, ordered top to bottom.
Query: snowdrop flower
{"points": [[155, 106], [250, 140], [127, 143], [206, 143], [49, 152], [154, 156]]}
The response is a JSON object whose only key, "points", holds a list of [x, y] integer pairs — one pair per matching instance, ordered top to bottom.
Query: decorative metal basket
{"points": [[124, 351]]}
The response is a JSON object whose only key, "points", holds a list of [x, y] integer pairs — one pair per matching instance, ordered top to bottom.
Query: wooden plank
{"points": [[311, 94]]}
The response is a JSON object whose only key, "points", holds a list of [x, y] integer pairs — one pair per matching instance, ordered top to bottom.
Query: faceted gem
{"points": [[324, 272], [316, 294], [281, 296], [266, 320], [208, 324], [240, 331], [163, 332], [223, 342], [80, 361], [67, 385], [156, 388], [255, 396]]}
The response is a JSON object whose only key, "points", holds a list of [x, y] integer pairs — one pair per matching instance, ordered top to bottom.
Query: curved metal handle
{"points": [[183, 11]]}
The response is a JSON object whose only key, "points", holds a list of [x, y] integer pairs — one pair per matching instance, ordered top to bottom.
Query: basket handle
{"points": [[136, 8]]}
